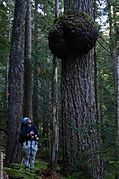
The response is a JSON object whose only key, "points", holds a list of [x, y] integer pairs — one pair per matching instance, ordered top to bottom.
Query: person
{"points": [[29, 141]]}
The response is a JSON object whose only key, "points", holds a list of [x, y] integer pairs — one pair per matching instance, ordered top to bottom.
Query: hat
{"points": [[25, 120]]}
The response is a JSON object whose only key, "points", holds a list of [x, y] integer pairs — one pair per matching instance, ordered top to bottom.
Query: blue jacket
{"points": [[25, 133]]}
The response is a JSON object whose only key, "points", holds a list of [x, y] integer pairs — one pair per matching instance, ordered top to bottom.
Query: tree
{"points": [[4, 50], [106, 60], [28, 64], [42, 67], [35, 69], [117, 92], [15, 100], [54, 122], [81, 139]]}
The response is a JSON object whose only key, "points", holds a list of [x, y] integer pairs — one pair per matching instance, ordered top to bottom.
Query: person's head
{"points": [[26, 121]]}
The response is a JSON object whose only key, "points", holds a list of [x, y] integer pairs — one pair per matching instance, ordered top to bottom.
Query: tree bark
{"points": [[79, 6], [110, 23], [28, 64], [36, 71], [15, 89], [54, 123], [117, 138], [81, 140]]}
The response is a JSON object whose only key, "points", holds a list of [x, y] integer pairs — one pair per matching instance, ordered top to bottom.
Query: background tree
{"points": [[4, 51], [28, 64], [36, 67], [16, 82], [117, 93], [54, 122]]}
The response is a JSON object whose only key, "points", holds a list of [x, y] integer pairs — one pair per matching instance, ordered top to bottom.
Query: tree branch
{"points": [[112, 56]]}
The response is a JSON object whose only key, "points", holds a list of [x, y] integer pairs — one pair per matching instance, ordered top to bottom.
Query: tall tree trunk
{"points": [[110, 23], [115, 50], [28, 64], [36, 71], [95, 72], [15, 88], [54, 123], [117, 140], [81, 141]]}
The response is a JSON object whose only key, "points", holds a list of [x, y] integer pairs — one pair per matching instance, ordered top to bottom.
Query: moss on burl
{"points": [[73, 34]]}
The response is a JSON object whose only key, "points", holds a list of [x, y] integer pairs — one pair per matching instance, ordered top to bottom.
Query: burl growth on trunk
{"points": [[72, 34]]}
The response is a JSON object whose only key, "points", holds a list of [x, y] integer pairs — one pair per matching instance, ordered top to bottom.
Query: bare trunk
{"points": [[56, 8], [110, 23], [28, 64], [116, 70], [36, 71], [15, 90], [118, 98], [54, 123], [54, 126], [81, 139], [117, 139]]}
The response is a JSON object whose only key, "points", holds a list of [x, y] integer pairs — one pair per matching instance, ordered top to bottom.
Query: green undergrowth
{"points": [[17, 171], [108, 175], [74, 176], [77, 176]]}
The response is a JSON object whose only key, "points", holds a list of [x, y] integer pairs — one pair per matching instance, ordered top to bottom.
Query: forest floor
{"points": [[41, 171]]}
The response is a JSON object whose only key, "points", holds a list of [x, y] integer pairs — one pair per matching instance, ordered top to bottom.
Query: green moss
{"points": [[70, 17], [72, 33], [40, 165], [18, 171], [13, 173], [21, 173], [75, 176], [109, 176]]}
